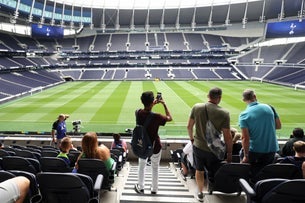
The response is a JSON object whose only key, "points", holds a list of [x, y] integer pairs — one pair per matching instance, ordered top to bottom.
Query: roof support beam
{"points": [[43, 11], [31, 12], [301, 12], [16, 13], [53, 14], [72, 14], [281, 15], [81, 17], [262, 18], [245, 19], [117, 20], [178, 20], [227, 21], [210, 22], [62, 23], [193, 24], [91, 25], [103, 25], [132, 25], [147, 26], [162, 26]]}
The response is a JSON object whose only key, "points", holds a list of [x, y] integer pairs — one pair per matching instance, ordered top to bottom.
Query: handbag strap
{"points": [[206, 111]]}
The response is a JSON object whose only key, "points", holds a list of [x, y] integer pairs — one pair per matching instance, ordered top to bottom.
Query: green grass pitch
{"points": [[109, 106]]}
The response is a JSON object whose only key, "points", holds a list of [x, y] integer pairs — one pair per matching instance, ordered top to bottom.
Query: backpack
{"points": [[141, 144]]}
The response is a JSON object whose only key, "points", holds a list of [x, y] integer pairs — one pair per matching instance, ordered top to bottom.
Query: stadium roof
{"points": [[149, 4], [150, 15]]}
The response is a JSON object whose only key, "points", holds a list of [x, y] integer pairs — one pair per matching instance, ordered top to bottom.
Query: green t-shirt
{"points": [[219, 117]]}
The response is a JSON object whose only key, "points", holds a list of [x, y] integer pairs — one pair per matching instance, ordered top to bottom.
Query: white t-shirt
{"points": [[188, 150]]}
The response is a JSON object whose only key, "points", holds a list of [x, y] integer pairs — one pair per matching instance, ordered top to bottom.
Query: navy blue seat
{"points": [[54, 164], [95, 167], [227, 177], [68, 187], [275, 190]]}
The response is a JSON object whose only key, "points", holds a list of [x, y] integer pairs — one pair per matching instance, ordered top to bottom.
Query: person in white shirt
{"points": [[187, 160]]}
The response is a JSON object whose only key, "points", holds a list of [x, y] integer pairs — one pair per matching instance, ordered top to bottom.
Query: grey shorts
{"points": [[9, 191]]}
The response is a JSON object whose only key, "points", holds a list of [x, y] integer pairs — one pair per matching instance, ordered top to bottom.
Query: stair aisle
{"points": [[171, 189]]}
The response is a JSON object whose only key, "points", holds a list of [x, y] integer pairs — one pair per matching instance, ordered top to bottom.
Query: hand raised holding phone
{"points": [[159, 96]]}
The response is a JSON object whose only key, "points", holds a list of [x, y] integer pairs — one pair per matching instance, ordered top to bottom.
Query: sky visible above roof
{"points": [[148, 4]]}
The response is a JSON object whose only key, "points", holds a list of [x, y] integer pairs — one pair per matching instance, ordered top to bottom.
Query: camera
{"points": [[159, 96], [77, 122], [76, 125]]}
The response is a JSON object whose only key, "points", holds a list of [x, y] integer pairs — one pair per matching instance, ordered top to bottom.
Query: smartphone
{"points": [[159, 96]]}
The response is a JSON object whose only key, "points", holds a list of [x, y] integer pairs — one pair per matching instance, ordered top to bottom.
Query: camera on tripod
{"points": [[76, 125]]}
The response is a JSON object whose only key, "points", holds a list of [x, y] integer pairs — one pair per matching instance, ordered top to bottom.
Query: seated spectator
{"points": [[297, 134], [236, 136], [118, 142], [65, 146], [90, 149], [299, 158], [187, 160], [14, 189]]}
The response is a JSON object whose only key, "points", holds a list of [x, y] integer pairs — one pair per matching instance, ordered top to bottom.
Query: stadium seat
{"points": [[34, 147], [48, 147], [9, 149], [4, 153], [49, 153], [28, 154], [125, 154], [117, 155], [73, 156], [175, 156], [236, 159], [18, 163], [35, 163], [54, 164], [94, 167], [286, 171], [5, 175], [226, 179], [33, 182], [68, 187], [274, 191], [33, 192]]}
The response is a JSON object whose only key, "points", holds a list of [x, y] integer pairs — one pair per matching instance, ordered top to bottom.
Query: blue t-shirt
{"points": [[259, 119], [60, 128]]}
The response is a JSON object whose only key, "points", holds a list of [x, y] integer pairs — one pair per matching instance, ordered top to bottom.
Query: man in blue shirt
{"points": [[258, 125], [59, 126]]}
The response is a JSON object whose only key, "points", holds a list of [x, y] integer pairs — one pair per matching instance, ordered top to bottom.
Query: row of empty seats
{"points": [[125, 42], [142, 74]]}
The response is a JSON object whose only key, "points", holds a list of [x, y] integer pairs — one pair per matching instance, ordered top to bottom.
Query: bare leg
{"points": [[184, 169], [200, 180]]}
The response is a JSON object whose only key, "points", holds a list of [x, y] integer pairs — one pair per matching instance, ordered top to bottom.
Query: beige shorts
{"points": [[9, 191]]}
